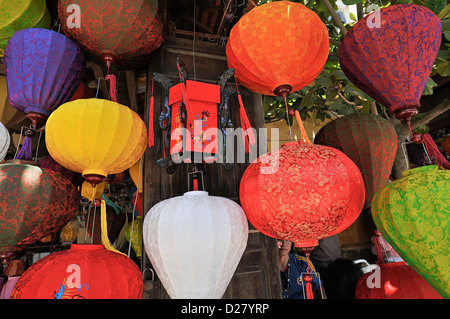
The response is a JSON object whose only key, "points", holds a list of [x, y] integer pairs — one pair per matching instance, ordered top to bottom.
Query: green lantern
{"points": [[21, 14], [413, 214]]}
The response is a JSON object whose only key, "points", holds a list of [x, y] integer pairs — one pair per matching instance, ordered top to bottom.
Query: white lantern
{"points": [[5, 139], [195, 243]]}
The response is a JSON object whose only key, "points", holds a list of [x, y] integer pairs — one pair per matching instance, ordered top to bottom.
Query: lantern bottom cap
{"points": [[86, 247]]}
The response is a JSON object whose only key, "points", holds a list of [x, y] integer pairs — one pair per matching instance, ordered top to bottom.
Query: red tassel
{"points": [[113, 88], [186, 101], [245, 125], [151, 133], [434, 152], [195, 185], [378, 248], [308, 286]]}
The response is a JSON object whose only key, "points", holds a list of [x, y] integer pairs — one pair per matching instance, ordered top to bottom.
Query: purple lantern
{"points": [[43, 71]]}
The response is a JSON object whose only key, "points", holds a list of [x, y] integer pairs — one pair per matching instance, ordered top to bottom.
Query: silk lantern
{"points": [[21, 14], [277, 48], [371, 52], [43, 70], [95, 137], [5, 140], [369, 141], [446, 144], [302, 193], [35, 202], [412, 213], [195, 243], [81, 272], [396, 281]]}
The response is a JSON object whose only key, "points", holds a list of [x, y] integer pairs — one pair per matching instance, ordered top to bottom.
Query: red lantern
{"points": [[278, 48], [200, 120], [446, 144], [302, 193], [81, 272], [396, 281]]}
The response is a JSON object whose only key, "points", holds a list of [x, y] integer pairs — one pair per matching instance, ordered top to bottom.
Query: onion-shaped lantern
{"points": [[278, 48], [371, 50], [95, 137], [369, 141], [302, 193], [412, 213], [195, 243], [81, 272]]}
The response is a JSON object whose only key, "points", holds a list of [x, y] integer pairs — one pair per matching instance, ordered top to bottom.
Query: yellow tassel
{"points": [[104, 227]]}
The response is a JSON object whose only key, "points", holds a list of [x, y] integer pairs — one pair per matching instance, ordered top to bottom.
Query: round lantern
{"points": [[21, 14], [116, 32], [278, 48], [371, 50], [95, 137], [5, 140], [369, 141], [446, 144], [302, 193], [35, 203], [412, 214], [195, 243], [81, 272], [396, 281]]}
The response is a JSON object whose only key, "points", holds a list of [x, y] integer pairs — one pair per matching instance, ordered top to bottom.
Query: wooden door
{"points": [[257, 275]]}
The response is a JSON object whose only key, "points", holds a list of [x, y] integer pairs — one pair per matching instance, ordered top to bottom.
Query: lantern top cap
{"points": [[418, 170], [196, 193], [86, 247]]}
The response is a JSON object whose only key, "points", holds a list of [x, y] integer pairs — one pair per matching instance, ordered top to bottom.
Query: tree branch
{"points": [[335, 16], [431, 114]]}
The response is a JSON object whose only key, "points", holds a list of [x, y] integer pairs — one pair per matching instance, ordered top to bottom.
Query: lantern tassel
{"points": [[113, 88], [302, 128], [151, 133], [247, 134], [433, 151], [25, 152], [104, 230], [378, 248], [308, 278]]}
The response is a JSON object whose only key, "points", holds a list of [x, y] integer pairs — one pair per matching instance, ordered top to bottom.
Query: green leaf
{"points": [[350, 2], [436, 5], [445, 12], [447, 35], [428, 90]]}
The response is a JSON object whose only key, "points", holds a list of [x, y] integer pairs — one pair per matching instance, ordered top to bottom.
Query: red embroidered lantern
{"points": [[278, 48], [371, 50], [194, 123], [368, 140], [302, 193], [35, 202], [81, 272], [396, 281]]}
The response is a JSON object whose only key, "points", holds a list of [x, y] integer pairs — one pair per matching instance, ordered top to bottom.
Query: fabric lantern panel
{"points": [[21, 14], [115, 32], [278, 48], [371, 52], [200, 121], [95, 137], [5, 140], [369, 141], [302, 193], [35, 203], [412, 213], [195, 243], [81, 272], [396, 281]]}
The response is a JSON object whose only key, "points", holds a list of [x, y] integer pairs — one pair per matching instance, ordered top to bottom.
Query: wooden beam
{"points": [[132, 89]]}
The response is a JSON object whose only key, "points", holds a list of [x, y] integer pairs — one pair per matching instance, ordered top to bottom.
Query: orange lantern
{"points": [[278, 48]]}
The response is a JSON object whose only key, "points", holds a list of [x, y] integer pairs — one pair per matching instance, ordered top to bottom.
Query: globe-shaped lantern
{"points": [[21, 14], [115, 32], [278, 48], [371, 50], [95, 137], [5, 140], [369, 141], [302, 193], [35, 202], [412, 213], [195, 243], [81, 272], [396, 281]]}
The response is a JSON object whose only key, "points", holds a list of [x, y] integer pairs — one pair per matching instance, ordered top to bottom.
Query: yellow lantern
{"points": [[95, 137], [136, 174], [93, 193]]}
